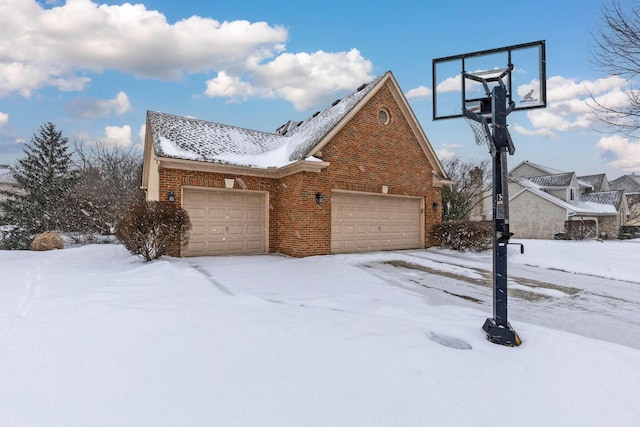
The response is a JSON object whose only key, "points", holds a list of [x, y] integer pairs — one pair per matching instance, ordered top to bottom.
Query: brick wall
{"points": [[367, 154], [363, 156], [304, 226]]}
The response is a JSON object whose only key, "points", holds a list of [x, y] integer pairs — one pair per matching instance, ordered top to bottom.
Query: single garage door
{"points": [[226, 222], [364, 222]]}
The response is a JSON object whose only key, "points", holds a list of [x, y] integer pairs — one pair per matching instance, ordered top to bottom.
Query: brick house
{"points": [[359, 175]]}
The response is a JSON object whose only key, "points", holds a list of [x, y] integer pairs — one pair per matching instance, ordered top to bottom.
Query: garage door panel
{"points": [[216, 213], [255, 214], [225, 222], [362, 222], [254, 230]]}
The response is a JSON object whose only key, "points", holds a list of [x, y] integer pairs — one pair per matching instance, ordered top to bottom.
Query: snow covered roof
{"points": [[193, 139], [544, 169], [6, 175], [555, 180], [594, 181], [629, 183], [613, 198], [582, 207]]}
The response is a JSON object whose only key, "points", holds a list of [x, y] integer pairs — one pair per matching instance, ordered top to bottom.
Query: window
{"points": [[383, 115], [572, 194]]}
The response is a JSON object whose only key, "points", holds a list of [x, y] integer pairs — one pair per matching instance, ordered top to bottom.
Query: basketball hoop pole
{"points": [[498, 329]]}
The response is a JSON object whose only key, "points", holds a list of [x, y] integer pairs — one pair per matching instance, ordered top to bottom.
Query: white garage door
{"points": [[226, 222], [363, 222]]}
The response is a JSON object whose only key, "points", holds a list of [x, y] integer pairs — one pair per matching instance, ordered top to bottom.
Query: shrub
{"points": [[149, 229], [580, 229], [629, 232], [473, 236], [47, 241]]}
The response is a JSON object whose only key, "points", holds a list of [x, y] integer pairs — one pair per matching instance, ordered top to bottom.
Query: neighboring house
{"points": [[359, 175], [7, 182], [630, 184], [542, 199]]}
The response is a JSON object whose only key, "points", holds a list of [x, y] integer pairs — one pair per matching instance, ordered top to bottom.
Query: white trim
{"points": [[290, 169]]}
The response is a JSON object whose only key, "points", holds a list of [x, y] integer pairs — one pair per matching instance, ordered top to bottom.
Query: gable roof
{"points": [[185, 138], [544, 170], [6, 175], [557, 180], [596, 182], [629, 183], [614, 197], [578, 207]]}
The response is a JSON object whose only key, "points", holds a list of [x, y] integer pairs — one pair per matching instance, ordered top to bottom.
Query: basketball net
{"points": [[480, 129]]}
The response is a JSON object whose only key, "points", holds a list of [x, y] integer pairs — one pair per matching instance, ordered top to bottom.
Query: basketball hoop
{"points": [[487, 114], [480, 128]]}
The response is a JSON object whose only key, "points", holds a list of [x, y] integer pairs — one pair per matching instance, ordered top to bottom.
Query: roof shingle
{"points": [[193, 139]]}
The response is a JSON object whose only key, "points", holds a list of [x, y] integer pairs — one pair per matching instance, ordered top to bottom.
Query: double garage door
{"points": [[226, 222], [367, 222]]}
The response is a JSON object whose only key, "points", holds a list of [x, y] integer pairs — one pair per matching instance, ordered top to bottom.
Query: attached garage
{"points": [[359, 175], [226, 222], [369, 222]]}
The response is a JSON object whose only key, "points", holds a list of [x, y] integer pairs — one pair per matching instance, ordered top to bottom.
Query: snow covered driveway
{"points": [[91, 336]]}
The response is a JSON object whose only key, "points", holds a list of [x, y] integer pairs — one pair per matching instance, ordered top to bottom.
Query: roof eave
{"points": [[271, 172]]}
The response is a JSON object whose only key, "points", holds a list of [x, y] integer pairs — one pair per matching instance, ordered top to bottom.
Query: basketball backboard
{"points": [[460, 81]]}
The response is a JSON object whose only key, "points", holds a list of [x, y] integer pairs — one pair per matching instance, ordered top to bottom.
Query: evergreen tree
{"points": [[45, 177]]}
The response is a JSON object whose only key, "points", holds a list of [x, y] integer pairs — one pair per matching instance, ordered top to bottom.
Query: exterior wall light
{"points": [[171, 196], [319, 198], [435, 206]]}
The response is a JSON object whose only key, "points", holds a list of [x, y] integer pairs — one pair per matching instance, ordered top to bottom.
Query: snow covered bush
{"points": [[149, 229], [463, 235]]}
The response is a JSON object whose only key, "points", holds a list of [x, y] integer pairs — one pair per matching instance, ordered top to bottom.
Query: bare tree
{"points": [[617, 52], [472, 182], [109, 183]]}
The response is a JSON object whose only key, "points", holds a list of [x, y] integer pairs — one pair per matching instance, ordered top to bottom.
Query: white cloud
{"points": [[61, 46], [52, 47], [304, 79], [450, 84], [226, 86], [420, 92], [568, 104], [91, 107], [4, 119], [142, 132], [533, 132], [118, 136], [447, 151], [621, 153]]}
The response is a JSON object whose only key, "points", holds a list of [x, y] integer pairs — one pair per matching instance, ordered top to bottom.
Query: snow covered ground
{"points": [[92, 336]]}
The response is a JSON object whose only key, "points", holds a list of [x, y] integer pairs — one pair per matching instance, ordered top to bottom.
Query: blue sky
{"points": [[95, 68]]}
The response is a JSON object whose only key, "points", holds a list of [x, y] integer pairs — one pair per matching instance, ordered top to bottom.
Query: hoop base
{"points": [[501, 335]]}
